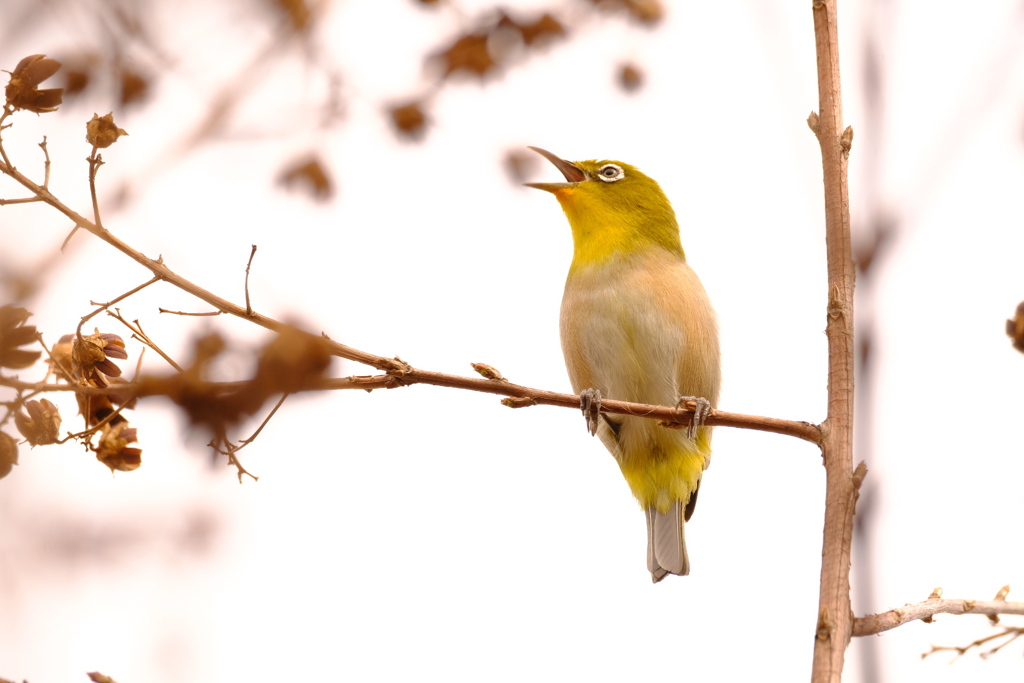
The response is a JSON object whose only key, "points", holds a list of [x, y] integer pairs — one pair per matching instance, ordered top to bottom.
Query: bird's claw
{"points": [[590, 405], [700, 413]]}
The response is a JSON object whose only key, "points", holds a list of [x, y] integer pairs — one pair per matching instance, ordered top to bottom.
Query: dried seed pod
{"points": [[23, 89], [102, 132], [14, 333], [90, 358], [40, 423], [113, 449], [8, 454]]}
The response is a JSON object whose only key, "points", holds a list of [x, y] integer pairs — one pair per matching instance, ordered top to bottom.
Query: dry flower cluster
{"points": [[78, 360], [292, 361]]}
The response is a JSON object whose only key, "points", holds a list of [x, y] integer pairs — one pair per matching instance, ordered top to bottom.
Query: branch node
{"points": [[835, 303], [397, 368], [935, 595], [1000, 597], [825, 624]]}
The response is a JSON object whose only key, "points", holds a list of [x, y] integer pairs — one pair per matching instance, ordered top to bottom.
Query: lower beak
{"points": [[573, 173]]}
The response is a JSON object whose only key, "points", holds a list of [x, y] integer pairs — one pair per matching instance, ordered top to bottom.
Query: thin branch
{"points": [[95, 161], [46, 163], [8, 166], [19, 200], [64, 244], [248, 305], [103, 307], [186, 313], [138, 334], [138, 363], [57, 365], [670, 415], [89, 431], [245, 442], [229, 451], [884, 621], [1014, 632]]}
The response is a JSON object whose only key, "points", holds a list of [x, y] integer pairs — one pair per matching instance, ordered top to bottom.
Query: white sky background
{"points": [[427, 532]]}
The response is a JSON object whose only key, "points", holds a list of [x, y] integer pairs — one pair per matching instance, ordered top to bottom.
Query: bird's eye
{"points": [[609, 173]]}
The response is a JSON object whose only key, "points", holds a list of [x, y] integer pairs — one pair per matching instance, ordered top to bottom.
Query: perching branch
{"points": [[520, 397]]}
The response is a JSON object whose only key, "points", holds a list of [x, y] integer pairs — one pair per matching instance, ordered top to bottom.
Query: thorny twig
{"points": [[103, 307], [141, 336], [231, 449]]}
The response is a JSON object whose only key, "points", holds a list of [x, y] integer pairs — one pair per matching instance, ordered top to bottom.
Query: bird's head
{"points": [[612, 208]]}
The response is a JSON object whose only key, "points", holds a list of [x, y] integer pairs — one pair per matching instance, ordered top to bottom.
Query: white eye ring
{"points": [[609, 173]]}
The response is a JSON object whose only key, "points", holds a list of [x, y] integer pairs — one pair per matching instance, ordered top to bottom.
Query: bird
{"points": [[636, 325]]}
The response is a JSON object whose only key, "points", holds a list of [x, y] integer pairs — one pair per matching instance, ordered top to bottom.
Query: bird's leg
{"points": [[590, 405], [700, 413]]}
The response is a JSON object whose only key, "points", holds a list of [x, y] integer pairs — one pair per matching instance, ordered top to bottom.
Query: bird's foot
{"points": [[590, 405], [701, 410]]}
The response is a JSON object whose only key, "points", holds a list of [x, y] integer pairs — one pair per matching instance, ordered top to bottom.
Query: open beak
{"points": [[573, 173]]}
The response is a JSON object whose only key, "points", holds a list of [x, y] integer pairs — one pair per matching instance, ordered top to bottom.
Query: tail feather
{"points": [[666, 543]]}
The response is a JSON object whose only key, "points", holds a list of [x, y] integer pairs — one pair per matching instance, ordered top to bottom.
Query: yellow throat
{"points": [[612, 208]]}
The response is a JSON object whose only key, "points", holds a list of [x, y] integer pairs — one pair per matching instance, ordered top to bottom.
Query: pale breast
{"points": [[640, 328]]}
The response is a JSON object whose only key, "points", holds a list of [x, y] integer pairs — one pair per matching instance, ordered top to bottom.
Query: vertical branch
{"points": [[835, 619]]}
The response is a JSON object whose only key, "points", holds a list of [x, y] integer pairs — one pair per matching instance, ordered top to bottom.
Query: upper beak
{"points": [[573, 173]]}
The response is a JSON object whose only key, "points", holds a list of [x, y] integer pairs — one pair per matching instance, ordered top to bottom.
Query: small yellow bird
{"points": [[636, 325]]}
